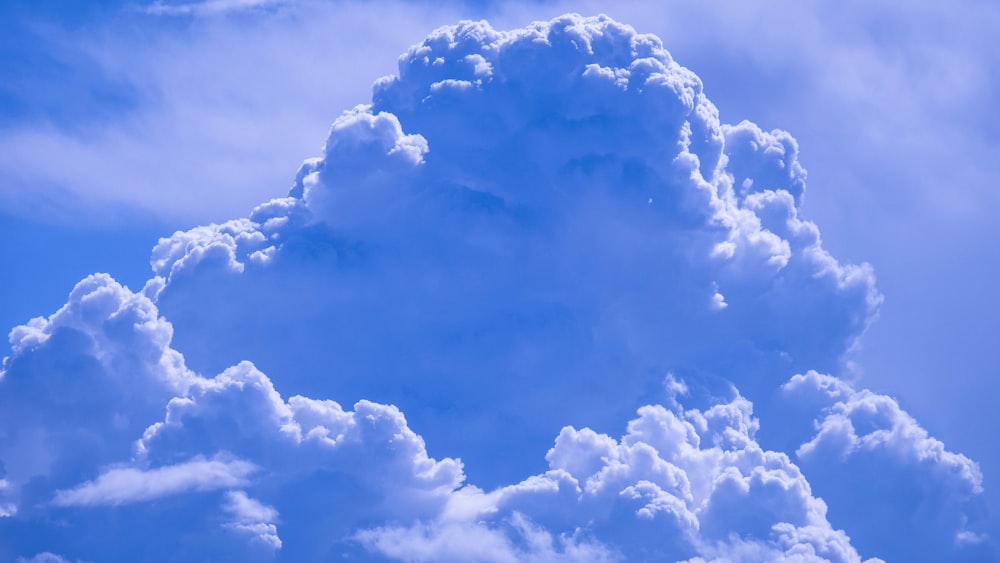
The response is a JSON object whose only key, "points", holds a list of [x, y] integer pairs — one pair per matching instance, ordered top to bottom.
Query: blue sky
{"points": [[495, 255]]}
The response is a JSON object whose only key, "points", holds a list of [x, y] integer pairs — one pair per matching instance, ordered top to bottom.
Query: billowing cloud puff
{"points": [[517, 241], [81, 383], [136, 428], [679, 484], [905, 493]]}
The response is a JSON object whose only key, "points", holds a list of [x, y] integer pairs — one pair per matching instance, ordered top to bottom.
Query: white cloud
{"points": [[207, 7], [256, 93], [209, 96], [522, 233], [121, 329], [82, 383], [240, 412], [856, 422], [695, 477], [684, 482], [678, 484], [126, 485], [905, 492], [7, 509], [253, 518], [453, 541], [45, 557]]}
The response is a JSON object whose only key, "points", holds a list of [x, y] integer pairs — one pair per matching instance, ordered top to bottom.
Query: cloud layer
{"points": [[535, 235]]}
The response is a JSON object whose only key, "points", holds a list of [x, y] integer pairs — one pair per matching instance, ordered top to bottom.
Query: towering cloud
{"points": [[544, 220], [536, 235]]}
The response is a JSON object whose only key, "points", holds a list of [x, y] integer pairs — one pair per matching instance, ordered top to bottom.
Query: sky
{"points": [[550, 291]]}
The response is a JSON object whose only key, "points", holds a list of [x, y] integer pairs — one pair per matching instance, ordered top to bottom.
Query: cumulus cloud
{"points": [[566, 183], [517, 239], [81, 384], [239, 411], [110, 447], [679, 484], [905, 493]]}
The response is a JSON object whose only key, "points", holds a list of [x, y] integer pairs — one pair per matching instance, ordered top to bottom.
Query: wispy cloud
{"points": [[208, 7], [220, 113], [211, 125], [128, 485]]}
